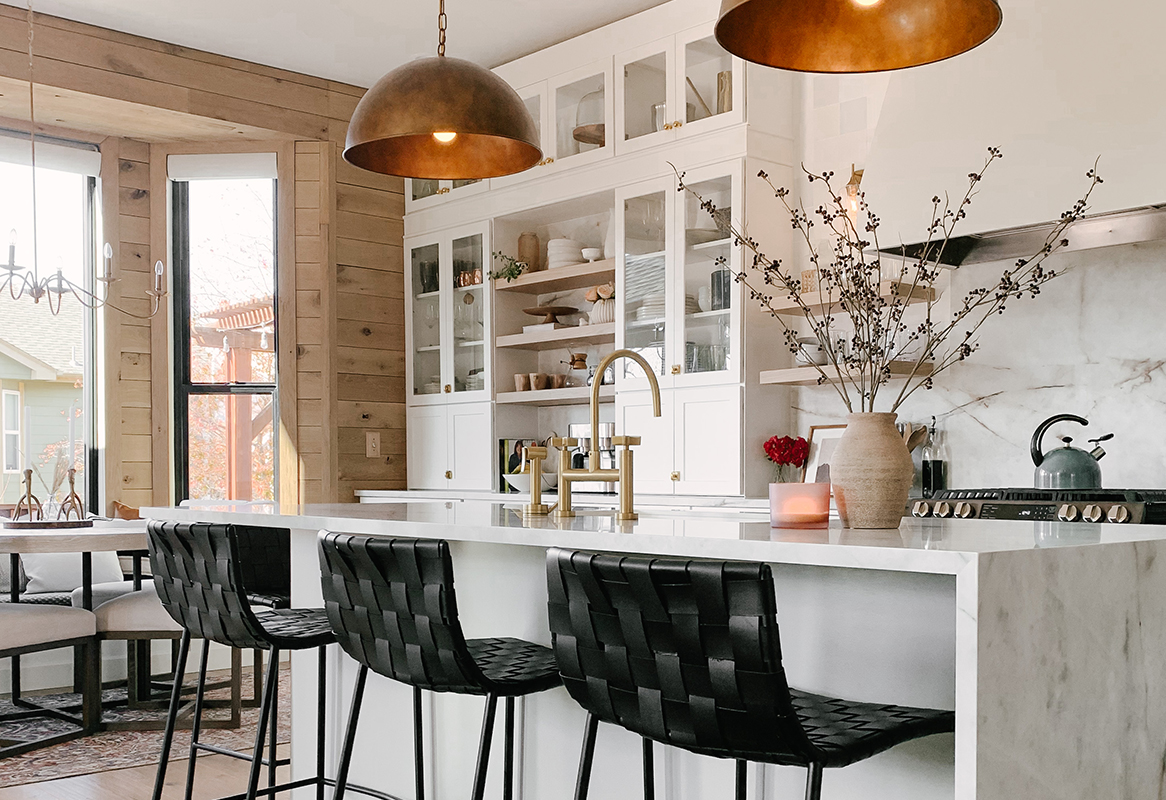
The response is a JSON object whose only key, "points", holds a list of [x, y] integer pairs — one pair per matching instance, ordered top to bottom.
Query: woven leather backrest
{"points": [[265, 559], [196, 570], [392, 606], [683, 652]]}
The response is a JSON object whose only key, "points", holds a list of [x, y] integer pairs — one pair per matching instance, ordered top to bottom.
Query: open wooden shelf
{"points": [[561, 279], [823, 301], [554, 339], [808, 376], [574, 396]]}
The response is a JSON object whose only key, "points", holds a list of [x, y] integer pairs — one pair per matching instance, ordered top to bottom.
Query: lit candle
{"points": [[12, 248], [108, 253], [158, 269], [26, 440], [70, 455], [797, 505]]}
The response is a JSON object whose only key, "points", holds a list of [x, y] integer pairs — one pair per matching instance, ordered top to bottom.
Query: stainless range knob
{"points": [[921, 509], [942, 509], [965, 510], [1068, 513], [1092, 513], [1118, 514]]}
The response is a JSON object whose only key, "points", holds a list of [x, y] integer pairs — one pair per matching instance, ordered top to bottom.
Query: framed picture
{"points": [[823, 440]]}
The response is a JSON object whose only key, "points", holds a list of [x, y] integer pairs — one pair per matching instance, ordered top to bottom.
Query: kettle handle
{"points": [[1035, 447]]}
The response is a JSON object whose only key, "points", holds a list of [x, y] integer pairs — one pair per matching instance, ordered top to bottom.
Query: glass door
{"points": [[710, 85], [538, 105], [643, 112], [582, 114], [707, 295], [646, 302], [469, 316], [426, 319]]}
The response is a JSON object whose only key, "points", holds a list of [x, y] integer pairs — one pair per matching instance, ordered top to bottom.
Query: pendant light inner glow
{"points": [[865, 3], [445, 137]]}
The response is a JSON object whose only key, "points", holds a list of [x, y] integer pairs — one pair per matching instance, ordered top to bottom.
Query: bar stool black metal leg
{"points": [[172, 714], [321, 719], [196, 723], [261, 728], [273, 734], [350, 734], [418, 745], [484, 747], [508, 753], [649, 771], [742, 777], [583, 781], [814, 782]]}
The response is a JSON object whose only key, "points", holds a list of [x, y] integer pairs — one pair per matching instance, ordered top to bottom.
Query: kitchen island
{"points": [[1046, 639]]}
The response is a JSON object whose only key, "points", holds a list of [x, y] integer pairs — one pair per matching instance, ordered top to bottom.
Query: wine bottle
{"points": [[934, 466]]}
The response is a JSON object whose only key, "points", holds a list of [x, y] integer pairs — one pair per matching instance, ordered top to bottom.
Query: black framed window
{"points": [[225, 388]]}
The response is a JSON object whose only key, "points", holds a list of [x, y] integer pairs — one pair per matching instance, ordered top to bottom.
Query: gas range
{"points": [[1127, 506]]}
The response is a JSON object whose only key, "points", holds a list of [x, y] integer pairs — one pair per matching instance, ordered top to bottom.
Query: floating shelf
{"points": [[561, 279], [822, 301], [550, 340], [808, 376], [574, 396]]}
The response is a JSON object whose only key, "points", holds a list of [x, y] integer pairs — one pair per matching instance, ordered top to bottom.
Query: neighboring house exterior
{"points": [[41, 369]]}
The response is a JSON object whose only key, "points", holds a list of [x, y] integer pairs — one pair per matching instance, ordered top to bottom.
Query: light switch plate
{"points": [[372, 444]]}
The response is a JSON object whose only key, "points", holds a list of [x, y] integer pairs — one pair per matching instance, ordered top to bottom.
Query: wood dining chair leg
{"points": [[172, 714], [196, 723], [350, 734], [484, 747], [583, 781]]}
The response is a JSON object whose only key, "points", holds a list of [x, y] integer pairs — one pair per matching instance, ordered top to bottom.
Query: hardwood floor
{"points": [[217, 776]]}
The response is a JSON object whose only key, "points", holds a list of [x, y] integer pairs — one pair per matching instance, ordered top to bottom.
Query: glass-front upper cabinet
{"points": [[682, 84], [535, 98], [581, 114], [425, 192], [647, 226], [706, 289], [449, 317]]}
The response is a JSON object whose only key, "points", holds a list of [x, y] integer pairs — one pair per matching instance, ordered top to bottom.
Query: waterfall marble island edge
{"points": [[1039, 635]]}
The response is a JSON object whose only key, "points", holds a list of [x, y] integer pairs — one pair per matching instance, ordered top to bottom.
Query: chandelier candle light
{"points": [[18, 282]]}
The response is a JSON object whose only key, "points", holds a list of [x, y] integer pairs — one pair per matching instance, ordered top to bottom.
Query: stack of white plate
{"points": [[561, 252], [690, 305], [652, 307]]}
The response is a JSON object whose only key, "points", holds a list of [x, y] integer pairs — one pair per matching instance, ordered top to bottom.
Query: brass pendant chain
{"points": [[441, 27]]}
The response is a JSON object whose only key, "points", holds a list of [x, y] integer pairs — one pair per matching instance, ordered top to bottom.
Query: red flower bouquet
{"points": [[787, 454]]}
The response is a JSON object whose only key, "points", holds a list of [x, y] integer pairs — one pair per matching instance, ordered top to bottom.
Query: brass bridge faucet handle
{"points": [[534, 456]]}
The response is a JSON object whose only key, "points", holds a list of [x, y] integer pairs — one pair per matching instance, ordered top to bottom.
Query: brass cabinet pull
{"points": [[677, 124], [667, 126], [443, 190], [675, 369], [448, 388], [448, 475], [675, 476]]}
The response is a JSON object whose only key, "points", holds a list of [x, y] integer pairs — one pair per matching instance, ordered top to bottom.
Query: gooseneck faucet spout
{"points": [[608, 360]]}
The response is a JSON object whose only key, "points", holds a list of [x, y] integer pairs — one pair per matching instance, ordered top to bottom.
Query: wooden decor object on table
{"points": [[550, 313]]}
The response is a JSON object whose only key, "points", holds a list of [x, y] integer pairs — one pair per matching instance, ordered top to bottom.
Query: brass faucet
{"points": [[622, 474]]}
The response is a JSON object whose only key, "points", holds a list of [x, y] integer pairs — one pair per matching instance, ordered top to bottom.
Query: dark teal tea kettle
{"points": [[1066, 467]]}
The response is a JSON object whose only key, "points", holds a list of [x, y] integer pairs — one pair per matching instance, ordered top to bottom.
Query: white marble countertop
{"points": [[578, 500], [918, 545]]}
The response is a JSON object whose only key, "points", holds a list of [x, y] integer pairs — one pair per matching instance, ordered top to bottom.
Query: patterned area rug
{"points": [[110, 750]]}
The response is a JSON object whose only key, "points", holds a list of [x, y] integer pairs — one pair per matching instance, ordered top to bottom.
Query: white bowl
{"points": [[592, 253], [521, 482]]}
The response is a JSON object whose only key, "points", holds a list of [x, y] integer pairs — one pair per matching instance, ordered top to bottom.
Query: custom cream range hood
{"points": [[1059, 87]]}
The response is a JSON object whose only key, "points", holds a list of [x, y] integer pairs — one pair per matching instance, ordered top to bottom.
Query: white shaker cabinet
{"points": [[451, 446]]}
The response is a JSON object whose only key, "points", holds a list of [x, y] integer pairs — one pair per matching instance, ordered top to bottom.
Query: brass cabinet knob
{"points": [[677, 124], [551, 160], [443, 190], [675, 369], [448, 388], [448, 475], [675, 476]]}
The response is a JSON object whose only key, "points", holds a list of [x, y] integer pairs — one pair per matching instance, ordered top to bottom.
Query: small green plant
{"points": [[511, 267]]}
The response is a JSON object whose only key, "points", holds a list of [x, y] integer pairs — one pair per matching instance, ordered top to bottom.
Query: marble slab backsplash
{"points": [[1092, 344]]}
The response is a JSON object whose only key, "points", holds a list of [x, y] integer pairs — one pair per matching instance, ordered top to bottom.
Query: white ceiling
{"points": [[356, 41]]}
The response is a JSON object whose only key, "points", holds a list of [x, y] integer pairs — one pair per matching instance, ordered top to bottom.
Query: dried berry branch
{"points": [[850, 282]]}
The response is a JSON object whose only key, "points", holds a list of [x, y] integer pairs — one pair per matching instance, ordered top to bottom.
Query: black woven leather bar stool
{"points": [[199, 578], [392, 606], [687, 653]]}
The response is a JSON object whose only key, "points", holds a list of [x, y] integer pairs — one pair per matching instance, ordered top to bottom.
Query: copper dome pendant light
{"points": [[844, 36], [442, 118]]}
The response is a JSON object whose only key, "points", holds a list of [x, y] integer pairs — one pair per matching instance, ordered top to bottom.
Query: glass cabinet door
{"points": [[709, 85], [643, 92], [582, 103], [646, 231], [708, 293], [469, 314], [427, 323]]}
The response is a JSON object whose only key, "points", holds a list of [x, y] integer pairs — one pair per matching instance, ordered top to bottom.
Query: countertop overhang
{"points": [[917, 545]]}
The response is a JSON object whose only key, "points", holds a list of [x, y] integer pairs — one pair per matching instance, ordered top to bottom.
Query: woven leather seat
{"points": [[199, 574], [392, 606], [687, 653]]}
